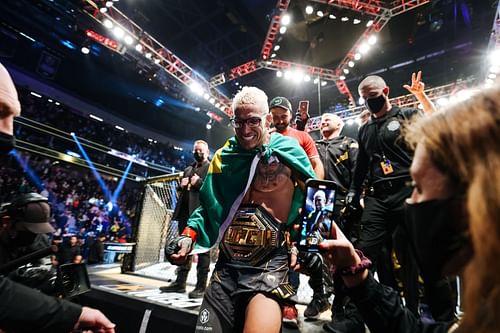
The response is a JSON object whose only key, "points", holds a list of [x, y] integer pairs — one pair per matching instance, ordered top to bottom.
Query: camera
{"points": [[25, 221]]}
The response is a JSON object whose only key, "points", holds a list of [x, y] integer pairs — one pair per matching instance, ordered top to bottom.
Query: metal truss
{"points": [[371, 7], [381, 17], [274, 27], [154, 53], [159, 55], [276, 65], [408, 101]]}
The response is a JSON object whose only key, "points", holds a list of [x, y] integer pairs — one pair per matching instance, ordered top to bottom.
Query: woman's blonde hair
{"points": [[464, 143]]}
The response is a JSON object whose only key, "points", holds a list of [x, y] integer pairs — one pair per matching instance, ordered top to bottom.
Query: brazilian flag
{"points": [[227, 179]]}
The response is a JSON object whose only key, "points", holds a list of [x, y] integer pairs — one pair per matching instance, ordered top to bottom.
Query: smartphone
{"points": [[304, 109], [317, 213]]}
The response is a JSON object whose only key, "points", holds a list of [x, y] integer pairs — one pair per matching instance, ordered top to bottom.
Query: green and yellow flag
{"points": [[227, 178]]}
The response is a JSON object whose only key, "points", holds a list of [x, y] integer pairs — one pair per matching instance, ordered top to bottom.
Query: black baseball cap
{"points": [[280, 102]]}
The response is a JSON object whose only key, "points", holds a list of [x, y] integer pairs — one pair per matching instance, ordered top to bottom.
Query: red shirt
{"points": [[304, 139]]}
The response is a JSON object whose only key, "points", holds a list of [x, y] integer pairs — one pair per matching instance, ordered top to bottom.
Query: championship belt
{"points": [[252, 235]]}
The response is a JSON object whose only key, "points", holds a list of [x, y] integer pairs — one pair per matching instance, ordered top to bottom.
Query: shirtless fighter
{"points": [[249, 201]]}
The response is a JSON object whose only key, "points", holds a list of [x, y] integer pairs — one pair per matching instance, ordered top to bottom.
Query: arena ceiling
{"points": [[446, 39]]}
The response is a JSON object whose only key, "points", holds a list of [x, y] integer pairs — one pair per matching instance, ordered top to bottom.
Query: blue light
{"points": [[68, 44], [159, 102], [72, 153]]}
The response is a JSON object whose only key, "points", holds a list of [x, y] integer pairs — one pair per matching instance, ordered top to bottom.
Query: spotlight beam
{"points": [[96, 174]]}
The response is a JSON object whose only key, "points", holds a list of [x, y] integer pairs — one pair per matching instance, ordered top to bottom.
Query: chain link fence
{"points": [[154, 225]]}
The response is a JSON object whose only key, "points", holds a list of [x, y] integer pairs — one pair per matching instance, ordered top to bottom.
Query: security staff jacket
{"points": [[380, 141], [339, 156]]}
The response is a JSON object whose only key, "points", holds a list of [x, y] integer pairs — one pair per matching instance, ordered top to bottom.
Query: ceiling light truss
{"points": [[371, 7], [274, 27], [163, 57], [276, 65], [408, 100]]}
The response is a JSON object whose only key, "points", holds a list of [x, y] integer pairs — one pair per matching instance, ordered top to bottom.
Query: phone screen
{"points": [[304, 109], [317, 214]]}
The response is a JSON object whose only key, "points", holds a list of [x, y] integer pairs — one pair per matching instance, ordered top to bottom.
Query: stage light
{"points": [[109, 4], [103, 10], [309, 10], [320, 13], [332, 17], [344, 19], [285, 20], [356, 21], [369, 23], [108, 24], [282, 30], [118, 32], [128, 40], [372, 40], [138, 47], [276, 48], [363, 48], [85, 50], [149, 55], [273, 55], [357, 56], [157, 61], [351, 63], [346, 71], [279, 73], [288, 75], [298, 76], [492, 76], [342, 77], [307, 78], [316, 80], [323, 83], [196, 88], [32, 93], [206, 96], [49, 100], [212, 100], [361, 100], [57, 103], [217, 105], [420, 106], [197, 109], [95, 117], [209, 124], [119, 128]]}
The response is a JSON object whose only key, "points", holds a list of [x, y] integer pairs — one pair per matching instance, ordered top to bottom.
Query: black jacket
{"points": [[379, 138], [189, 198], [27, 310], [383, 312]]}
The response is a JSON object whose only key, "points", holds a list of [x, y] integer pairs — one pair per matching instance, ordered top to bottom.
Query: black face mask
{"points": [[374, 105], [7, 143], [199, 157], [438, 233]]}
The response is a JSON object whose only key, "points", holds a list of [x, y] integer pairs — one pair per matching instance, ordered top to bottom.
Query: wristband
{"points": [[191, 233], [365, 263]]}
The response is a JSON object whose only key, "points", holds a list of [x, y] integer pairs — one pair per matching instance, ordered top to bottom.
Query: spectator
{"points": [[452, 215]]}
